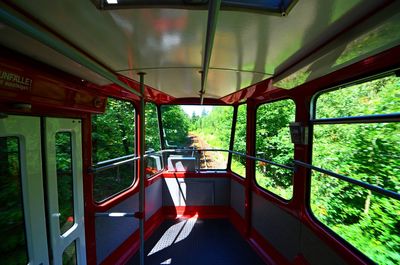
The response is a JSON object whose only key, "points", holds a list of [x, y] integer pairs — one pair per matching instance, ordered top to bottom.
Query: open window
{"points": [[357, 134], [195, 135], [273, 142], [113, 143], [153, 159], [238, 164]]}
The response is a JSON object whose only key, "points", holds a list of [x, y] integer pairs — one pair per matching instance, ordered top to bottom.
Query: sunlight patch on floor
{"points": [[174, 234], [168, 261]]}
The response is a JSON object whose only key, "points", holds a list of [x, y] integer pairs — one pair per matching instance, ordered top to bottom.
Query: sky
{"points": [[189, 109]]}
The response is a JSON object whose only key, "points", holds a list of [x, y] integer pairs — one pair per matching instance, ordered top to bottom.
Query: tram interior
{"points": [[199, 132]]}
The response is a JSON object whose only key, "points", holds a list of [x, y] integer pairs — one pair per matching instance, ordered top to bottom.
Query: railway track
{"points": [[208, 160]]}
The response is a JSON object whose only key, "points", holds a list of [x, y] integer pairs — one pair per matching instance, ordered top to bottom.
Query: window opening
{"points": [[192, 128], [113, 141], [273, 142], [366, 150], [153, 161], [239, 162], [65, 180], [13, 246]]}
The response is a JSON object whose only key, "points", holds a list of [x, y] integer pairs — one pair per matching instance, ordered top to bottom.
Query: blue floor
{"points": [[197, 242]]}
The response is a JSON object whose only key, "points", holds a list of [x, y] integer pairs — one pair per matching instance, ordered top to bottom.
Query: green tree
{"points": [[175, 125], [152, 133], [368, 152]]}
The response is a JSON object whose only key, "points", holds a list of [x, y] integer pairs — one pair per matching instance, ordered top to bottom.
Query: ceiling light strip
{"points": [[213, 11], [52, 41]]}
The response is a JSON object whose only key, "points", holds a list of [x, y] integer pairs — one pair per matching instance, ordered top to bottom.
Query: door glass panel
{"points": [[65, 180], [12, 227], [69, 255]]}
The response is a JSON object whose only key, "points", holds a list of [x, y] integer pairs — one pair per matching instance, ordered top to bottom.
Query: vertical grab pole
{"points": [[141, 170]]}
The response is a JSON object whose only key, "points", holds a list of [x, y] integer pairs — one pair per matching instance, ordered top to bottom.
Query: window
{"points": [[198, 127], [113, 141], [152, 141], [273, 143], [367, 150], [239, 162], [65, 180], [12, 225], [69, 255]]}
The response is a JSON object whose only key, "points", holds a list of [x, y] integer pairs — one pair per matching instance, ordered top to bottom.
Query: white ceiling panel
{"points": [[379, 33], [128, 38], [266, 43], [168, 44], [177, 82], [221, 82]]}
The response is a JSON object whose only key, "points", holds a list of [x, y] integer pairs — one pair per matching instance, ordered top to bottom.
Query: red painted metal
{"points": [[26, 81], [256, 90], [151, 94], [196, 101], [250, 164], [205, 174], [90, 231]]}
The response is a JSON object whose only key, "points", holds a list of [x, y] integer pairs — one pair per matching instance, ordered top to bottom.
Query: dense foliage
{"points": [[175, 125], [214, 127], [213, 130], [113, 132], [152, 133], [113, 136], [273, 143], [369, 152], [238, 164], [13, 244]]}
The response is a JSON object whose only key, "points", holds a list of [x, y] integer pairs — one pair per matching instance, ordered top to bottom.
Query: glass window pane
{"points": [[380, 96], [176, 124], [198, 127], [152, 131], [113, 132], [113, 140], [273, 143], [369, 152], [239, 162], [153, 163], [65, 180], [112, 181], [13, 248], [69, 255]]}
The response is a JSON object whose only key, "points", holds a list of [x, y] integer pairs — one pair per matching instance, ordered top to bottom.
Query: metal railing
{"points": [[393, 117], [232, 152], [126, 159], [115, 162], [382, 191]]}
